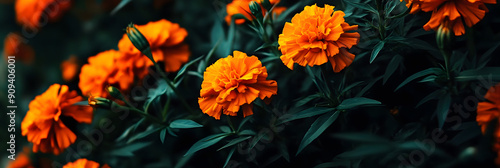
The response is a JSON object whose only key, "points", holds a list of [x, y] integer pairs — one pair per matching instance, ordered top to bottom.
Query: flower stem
{"points": [[230, 123]]}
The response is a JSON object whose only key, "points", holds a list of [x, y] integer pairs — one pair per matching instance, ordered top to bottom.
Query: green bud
{"points": [[267, 5], [255, 8], [139, 41], [114, 92], [99, 102]]}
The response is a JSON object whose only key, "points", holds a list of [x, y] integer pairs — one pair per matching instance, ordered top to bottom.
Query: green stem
{"points": [[165, 109], [145, 115], [230, 123]]}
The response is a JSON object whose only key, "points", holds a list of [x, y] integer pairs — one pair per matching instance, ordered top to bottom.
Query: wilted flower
{"points": [[32, 12], [318, 35], [166, 41], [234, 82], [43, 125], [84, 163]]}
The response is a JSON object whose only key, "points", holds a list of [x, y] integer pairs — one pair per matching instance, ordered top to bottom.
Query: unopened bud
{"points": [[266, 4], [255, 8], [139, 41], [114, 92], [99, 102]]}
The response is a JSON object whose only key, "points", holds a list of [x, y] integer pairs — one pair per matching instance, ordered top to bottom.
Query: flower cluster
{"points": [[242, 7], [32, 13]]}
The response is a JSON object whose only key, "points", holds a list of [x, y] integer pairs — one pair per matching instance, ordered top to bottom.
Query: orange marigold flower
{"points": [[241, 7], [33, 12], [450, 13], [318, 35], [166, 40], [14, 46], [70, 68], [102, 71], [233, 82], [488, 111], [42, 124], [22, 160], [84, 163]]}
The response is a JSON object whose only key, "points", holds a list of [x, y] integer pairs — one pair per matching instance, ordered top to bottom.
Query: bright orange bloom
{"points": [[241, 7], [32, 13], [450, 13], [318, 35], [166, 40], [14, 46], [70, 68], [102, 71], [233, 82], [488, 111], [43, 125], [22, 160], [84, 163]]}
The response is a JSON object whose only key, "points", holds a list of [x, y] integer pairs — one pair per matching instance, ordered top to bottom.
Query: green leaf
{"points": [[120, 6], [364, 6], [376, 50], [487, 56], [392, 66], [183, 69], [419, 74], [474, 75], [316, 76], [430, 78], [350, 87], [368, 87], [154, 94], [434, 95], [305, 100], [355, 102], [442, 109], [313, 111], [246, 119], [183, 123], [317, 128], [225, 129], [129, 130], [148, 131], [163, 132], [247, 132], [361, 137], [206, 142], [234, 142], [128, 150], [366, 150], [229, 156]]}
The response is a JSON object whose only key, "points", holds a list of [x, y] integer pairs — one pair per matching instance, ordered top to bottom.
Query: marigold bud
{"points": [[255, 8], [139, 41], [114, 92], [99, 102]]}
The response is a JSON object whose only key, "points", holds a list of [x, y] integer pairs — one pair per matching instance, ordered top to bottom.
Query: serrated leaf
{"points": [[376, 50], [391, 67], [418, 75], [355, 102], [442, 109], [313, 111], [183, 123], [317, 128], [206, 142], [234, 142]]}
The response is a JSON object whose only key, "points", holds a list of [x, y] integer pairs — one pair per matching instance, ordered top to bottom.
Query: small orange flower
{"points": [[241, 7], [33, 12], [450, 13], [318, 35], [166, 40], [14, 46], [70, 68], [102, 71], [233, 82], [488, 111], [42, 124], [22, 160], [84, 163]]}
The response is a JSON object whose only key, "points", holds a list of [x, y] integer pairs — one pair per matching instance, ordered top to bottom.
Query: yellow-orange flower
{"points": [[241, 7], [33, 12], [450, 13], [318, 35], [166, 40], [14, 46], [70, 68], [102, 71], [234, 82], [488, 111], [43, 125], [84, 163]]}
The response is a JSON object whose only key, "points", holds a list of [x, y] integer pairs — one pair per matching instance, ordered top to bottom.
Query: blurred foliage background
{"points": [[392, 131]]}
